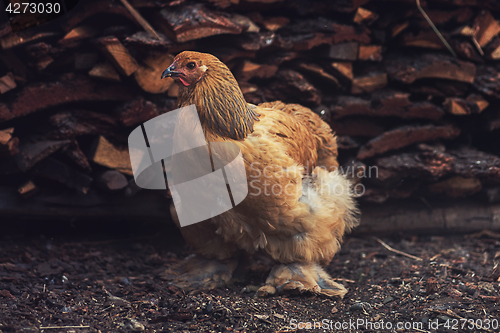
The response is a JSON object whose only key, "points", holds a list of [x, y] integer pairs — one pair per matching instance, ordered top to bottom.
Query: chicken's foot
{"points": [[199, 273], [299, 278]]}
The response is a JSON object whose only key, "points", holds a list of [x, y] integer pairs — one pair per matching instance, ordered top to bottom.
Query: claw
{"points": [[300, 278]]}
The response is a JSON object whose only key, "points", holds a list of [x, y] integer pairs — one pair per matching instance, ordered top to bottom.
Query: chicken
{"points": [[285, 147]]}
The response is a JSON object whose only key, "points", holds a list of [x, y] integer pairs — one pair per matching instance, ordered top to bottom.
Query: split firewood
{"points": [[155, 3], [227, 3], [315, 7], [89, 9], [364, 16], [442, 17], [194, 22], [245, 22], [275, 23], [399, 28], [485, 28], [465, 31], [336, 32], [342, 32], [78, 33], [23, 37], [142, 39], [424, 39], [258, 41], [307, 43], [40, 49], [467, 50], [493, 50], [344, 51], [370, 52], [228, 53], [118, 55], [278, 58], [44, 62], [249, 69], [344, 69], [407, 69], [105, 71], [318, 71], [148, 75], [488, 80], [373, 81], [7, 83], [290, 84], [70, 88], [439, 88], [389, 100], [386, 103], [473, 104], [350, 106], [424, 109], [136, 112], [71, 124], [6, 135], [405, 136], [8, 143], [31, 153], [75, 154], [111, 156], [434, 164], [55, 170], [112, 180], [457, 186], [27, 189]]}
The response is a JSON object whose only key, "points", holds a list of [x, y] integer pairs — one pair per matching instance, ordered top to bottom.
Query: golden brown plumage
{"points": [[298, 206]]}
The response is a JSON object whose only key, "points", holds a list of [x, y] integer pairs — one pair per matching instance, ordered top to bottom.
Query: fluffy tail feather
{"points": [[333, 192]]}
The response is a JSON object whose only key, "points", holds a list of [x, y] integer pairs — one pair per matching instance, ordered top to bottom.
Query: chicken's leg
{"points": [[199, 273], [300, 278]]}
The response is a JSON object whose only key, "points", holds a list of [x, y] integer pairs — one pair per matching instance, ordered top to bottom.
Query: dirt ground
{"points": [[85, 283]]}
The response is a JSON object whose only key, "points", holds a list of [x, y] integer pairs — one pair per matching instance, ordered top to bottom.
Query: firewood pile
{"points": [[416, 116]]}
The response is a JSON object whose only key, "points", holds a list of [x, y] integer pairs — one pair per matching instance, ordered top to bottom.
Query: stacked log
{"points": [[421, 114]]}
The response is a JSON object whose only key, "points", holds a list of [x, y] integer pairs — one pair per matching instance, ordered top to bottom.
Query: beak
{"points": [[169, 73]]}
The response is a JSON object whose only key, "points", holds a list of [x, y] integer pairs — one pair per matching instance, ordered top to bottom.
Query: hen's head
{"points": [[190, 67], [211, 87]]}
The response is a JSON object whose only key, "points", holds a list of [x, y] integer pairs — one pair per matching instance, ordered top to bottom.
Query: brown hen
{"points": [[299, 205]]}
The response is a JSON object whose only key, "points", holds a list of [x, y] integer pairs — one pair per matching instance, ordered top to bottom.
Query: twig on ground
{"points": [[397, 251], [344, 280]]}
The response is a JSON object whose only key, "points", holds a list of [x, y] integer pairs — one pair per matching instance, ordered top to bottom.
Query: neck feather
{"points": [[220, 104]]}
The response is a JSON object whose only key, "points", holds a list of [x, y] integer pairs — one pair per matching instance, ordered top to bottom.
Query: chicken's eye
{"points": [[191, 65]]}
